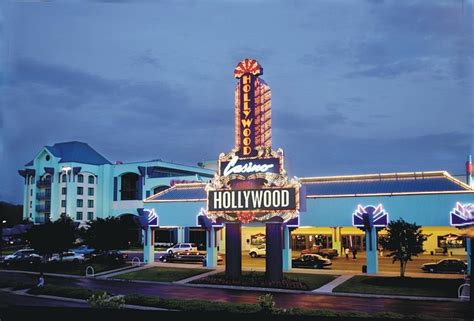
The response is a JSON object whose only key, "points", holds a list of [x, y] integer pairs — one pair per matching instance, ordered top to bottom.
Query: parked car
{"points": [[181, 247], [83, 249], [258, 251], [327, 253], [25, 256], [68, 256], [111, 256], [183, 257], [315, 261], [446, 265]]}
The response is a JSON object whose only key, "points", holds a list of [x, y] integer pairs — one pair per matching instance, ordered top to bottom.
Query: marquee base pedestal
{"points": [[233, 247], [211, 248], [286, 249], [274, 255]]}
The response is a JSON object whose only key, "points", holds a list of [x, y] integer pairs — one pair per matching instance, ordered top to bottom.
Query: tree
{"points": [[106, 234], [52, 237], [403, 240]]}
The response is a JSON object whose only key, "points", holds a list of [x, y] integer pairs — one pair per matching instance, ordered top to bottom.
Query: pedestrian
{"points": [[346, 251], [354, 253], [40, 281]]}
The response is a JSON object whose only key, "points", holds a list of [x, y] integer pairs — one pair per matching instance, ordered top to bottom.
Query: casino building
{"points": [[249, 199]]}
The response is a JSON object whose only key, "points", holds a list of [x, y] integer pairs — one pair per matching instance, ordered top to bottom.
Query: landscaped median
{"points": [[161, 274], [291, 281], [424, 287], [263, 309]]}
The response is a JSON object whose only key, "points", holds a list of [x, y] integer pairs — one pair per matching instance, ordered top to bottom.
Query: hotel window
{"points": [[63, 178], [80, 178], [91, 179], [129, 186], [63, 191], [80, 191], [90, 191], [31, 192], [31, 203], [63, 203], [80, 203], [90, 203], [79, 216], [90, 216]]}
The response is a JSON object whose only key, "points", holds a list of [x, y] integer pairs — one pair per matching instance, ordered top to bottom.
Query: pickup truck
{"points": [[327, 253]]}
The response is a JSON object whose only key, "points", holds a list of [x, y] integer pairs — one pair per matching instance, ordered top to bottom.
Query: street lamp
{"points": [[66, 170], [1, 237]]}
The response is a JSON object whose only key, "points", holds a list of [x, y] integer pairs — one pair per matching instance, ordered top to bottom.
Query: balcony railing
{"points": [[43, 183], [43, 196], [43, 208], [41, 219]]}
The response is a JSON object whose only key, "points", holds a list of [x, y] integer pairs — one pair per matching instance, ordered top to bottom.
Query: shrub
{"points": [[106, 301], [266, 302]]}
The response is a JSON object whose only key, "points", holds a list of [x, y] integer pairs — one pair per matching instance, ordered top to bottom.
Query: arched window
{"points": [[63, 178], [80, 178], [32, 179], [91, 179], [161, 188], [129, 190]]}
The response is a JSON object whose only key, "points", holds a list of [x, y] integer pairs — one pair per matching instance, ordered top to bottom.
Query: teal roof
{"points": [[77, 152]]}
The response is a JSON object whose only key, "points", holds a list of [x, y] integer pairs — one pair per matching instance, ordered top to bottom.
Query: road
{"points": [[338, 263], [283, 300]]}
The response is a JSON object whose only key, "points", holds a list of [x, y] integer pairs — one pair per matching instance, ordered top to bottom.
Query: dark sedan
{"points": [[111, 256], [314, 261], [446, 265]]}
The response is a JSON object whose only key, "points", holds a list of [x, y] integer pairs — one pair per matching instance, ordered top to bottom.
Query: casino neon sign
{"points": [[251, 183]]}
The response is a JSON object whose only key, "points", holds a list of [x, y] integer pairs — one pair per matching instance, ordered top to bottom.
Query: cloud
{"points": [[392, 69]]}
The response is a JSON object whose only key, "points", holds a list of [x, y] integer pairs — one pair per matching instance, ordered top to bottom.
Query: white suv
{"points": [[182, 247], [259, 250]]}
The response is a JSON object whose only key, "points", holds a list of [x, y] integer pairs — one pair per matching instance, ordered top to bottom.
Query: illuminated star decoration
{"points": [[248, 66], [462, 215], [370, 216]]}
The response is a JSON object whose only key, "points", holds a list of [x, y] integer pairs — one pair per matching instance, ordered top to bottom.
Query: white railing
{"points": [[136, 261], [90, 271], [463, 291]]}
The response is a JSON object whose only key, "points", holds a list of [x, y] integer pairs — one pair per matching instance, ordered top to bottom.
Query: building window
{"points": [[64, 178], [80, 178], [91, 179], [129, 186], [161, 188], [63, 191], [80, 191], [90, 191], [31, 192], [31, 203], [63, 203], [80, 203], [90, 203], [79, 216], [90, 216]]}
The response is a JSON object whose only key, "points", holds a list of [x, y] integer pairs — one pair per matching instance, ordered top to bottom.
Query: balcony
{"points": [[42, 183], [43, 196], [42, 208], [41, 219]]}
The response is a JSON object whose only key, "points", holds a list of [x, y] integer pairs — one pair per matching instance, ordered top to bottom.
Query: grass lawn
{"points": [[69, 268], [161, 274], [294, 281], [447, 288]]}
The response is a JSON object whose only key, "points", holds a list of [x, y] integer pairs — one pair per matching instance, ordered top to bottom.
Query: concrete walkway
{"points": [[196, 277], [327, 288]]}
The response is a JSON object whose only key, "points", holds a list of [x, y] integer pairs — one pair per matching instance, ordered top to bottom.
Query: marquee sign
{"points": [[251, 183], [147, 218]]}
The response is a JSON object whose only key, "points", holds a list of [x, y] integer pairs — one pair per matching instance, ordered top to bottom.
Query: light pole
{"points": [[66, 170], [1, 237]]}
